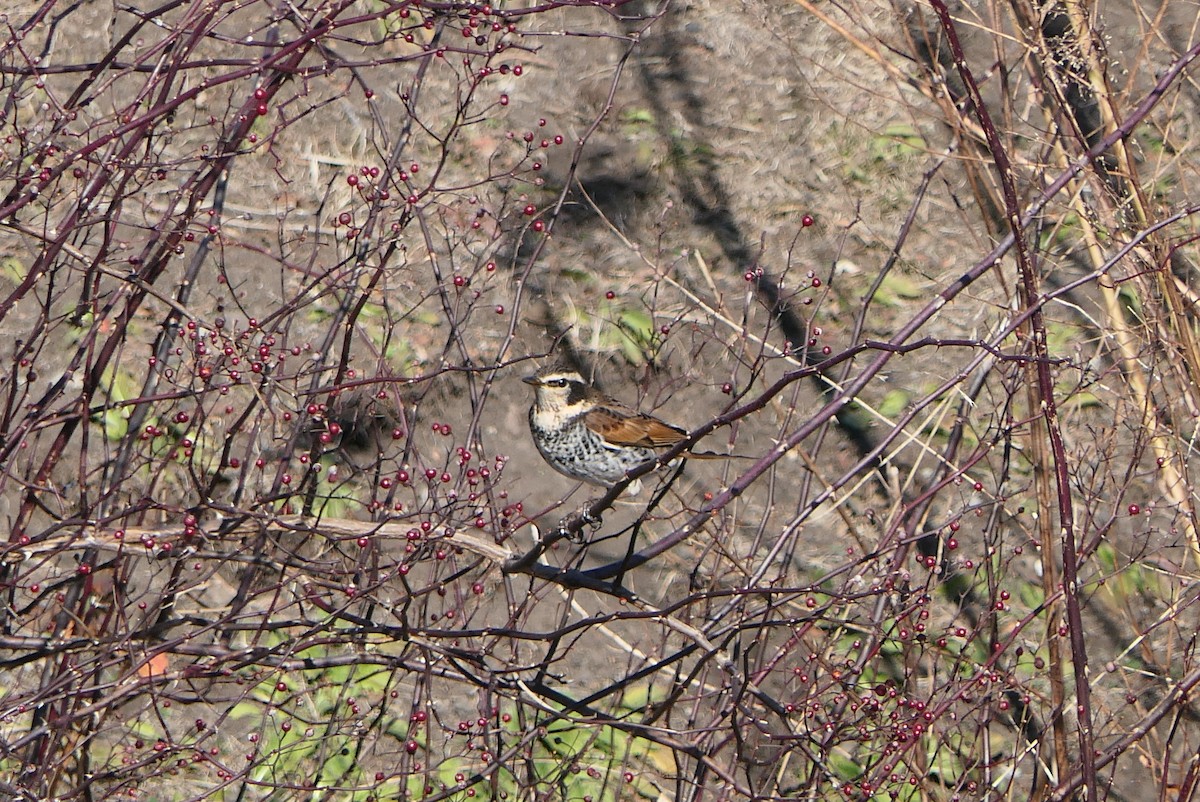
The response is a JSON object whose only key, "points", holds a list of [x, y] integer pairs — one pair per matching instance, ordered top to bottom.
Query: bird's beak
{"points": [[534, 380]]}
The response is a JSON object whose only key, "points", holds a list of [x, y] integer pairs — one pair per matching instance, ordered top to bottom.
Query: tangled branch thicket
{"points": [[270, 274]]}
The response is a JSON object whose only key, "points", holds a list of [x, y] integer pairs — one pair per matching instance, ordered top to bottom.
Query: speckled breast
{"points": [[580, 453]]}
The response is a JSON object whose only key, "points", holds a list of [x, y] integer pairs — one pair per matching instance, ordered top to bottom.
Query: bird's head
{"points": [[560, 391]]}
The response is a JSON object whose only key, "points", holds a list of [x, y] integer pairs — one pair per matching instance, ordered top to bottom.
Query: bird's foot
{"points": [[572, 527]]}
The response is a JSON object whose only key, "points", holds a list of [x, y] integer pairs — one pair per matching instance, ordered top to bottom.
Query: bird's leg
{"points": [[585, 515], [572, 527]]}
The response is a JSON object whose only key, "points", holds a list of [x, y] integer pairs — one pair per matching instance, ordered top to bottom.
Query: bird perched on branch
{"points": [[586, 435]]}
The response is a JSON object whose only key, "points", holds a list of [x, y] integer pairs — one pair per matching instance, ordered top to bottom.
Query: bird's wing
{"points": [[632, 428]]}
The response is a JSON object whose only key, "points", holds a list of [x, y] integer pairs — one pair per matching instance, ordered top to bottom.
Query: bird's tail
{"points": [[713, 455]]}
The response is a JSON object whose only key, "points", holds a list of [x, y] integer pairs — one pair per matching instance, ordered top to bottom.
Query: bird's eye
{"points": [[557, 382]]}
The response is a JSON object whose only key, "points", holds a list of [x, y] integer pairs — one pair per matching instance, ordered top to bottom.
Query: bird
{"points": [[585, 435]]}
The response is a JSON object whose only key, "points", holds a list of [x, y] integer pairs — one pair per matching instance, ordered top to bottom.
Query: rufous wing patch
{"points": [[632, 429]]}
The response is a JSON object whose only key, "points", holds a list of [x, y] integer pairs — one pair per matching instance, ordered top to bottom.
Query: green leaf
{"points": [[637, 116], [907, 134], [897, 140], [13, 269], [576, 274], [897, 286], [1131, 300], [635, 331], [1082, 401], [893, 403], [115, 423], [1031, 594], [641, 696], [246, 710], [144, 730], [568, 740], [612, 741], [341, 765], [844, 767], [447, 769], [581, 786]]}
